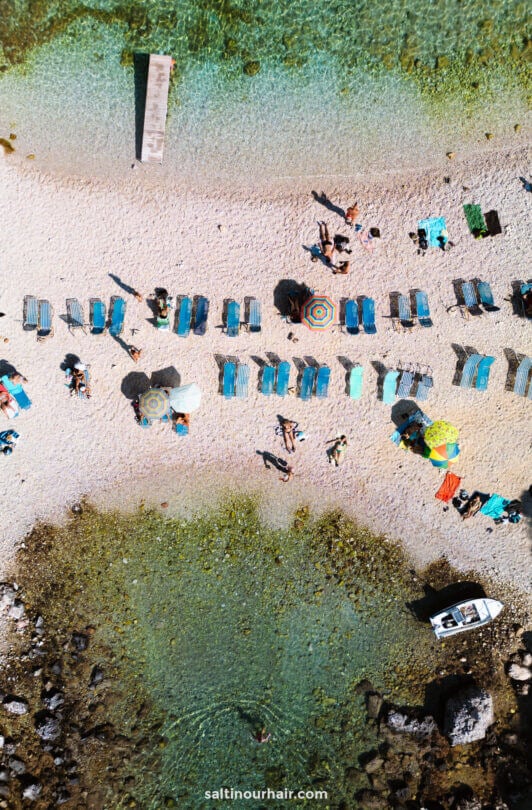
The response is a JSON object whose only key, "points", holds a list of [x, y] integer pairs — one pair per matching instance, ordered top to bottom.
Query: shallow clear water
{"points": [[267, 89], [229, 627]]}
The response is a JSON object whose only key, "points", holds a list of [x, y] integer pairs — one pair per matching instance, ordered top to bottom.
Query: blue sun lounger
{"points": [[524, 289], [486, 296], [470, 298], [422, 307], [202, 312], [30, 313], [405, 313], [117, 315], [75, 316], [97, 316], [254, 316], [368, 316], [184, 317], [351, 317], [233, 319], [44, 320], [469, 370], [483, 373], [521, 377], [283, 378], [229, 380], [242, 380], [268, 380], [307, 382], [322, 382], [355, 382], [405, 384], [389, 387], [423, 387], [16, 391]]}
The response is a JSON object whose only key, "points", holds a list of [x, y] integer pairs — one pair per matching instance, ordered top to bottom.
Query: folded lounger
{"points": [[486, 296], [422, 307], [202, 312], [30, 313], [405, 313], [117, 314], [97, 316], [254, 316], [368, 316], [75, 317], [185, 317], [351, 317], [233, 319], [44, 321], [469, 370], [483, 373], [521, 377], [283, 378], [229, 380], [242, 380], [268, 380], [307, 382], [322, 382], [355, 382], [405, 384], [389, 387], [423, 387], [16, 391]]}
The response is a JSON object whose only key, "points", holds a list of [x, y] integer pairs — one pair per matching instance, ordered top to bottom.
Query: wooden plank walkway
{"points": [[156, 108]]}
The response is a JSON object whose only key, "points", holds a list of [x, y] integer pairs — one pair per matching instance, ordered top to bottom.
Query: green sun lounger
{"points": [[475, 221], [422, 308], [202, 312], [30, 313], [117, 314], [97, 316], [368, 316], [185, 317], [351, 317], [233, 319], [44, 320], [254, 324], [469, 370], [483, 373], [521, 377], [283, 378], [229, 380], [242, 380], [267, 380], [307, 382], [322, 382], [355, 382], [389, 387], [16, 391]]}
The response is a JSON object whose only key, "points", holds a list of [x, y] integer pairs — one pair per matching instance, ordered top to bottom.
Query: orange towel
{"points": [[450, 484]]}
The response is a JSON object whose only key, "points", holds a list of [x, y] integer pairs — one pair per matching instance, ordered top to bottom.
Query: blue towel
{"points": [[434, 227], [495, 506]]}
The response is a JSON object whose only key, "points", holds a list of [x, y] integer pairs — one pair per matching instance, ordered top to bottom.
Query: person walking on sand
{"points": [[351, 214], [326, 243], [135, 353], [336, 453], [288, 475]]}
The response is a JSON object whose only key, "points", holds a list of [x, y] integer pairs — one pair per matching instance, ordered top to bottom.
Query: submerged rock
{"points": [[468, 715], [397, 721]]}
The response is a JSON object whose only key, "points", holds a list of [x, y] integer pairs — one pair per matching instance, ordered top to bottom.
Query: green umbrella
{"points": [[440, 433]]}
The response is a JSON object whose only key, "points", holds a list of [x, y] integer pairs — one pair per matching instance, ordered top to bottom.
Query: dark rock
{"points": [[80, 641], [56, 668], [96, 676], [363, 686], [53, 700], [16, 705], [374, 705], [468, 714], [400, 722], [48, 728], [373, 764], [17, 766], [4, 775], [4, 791], [32, 792], [63, 796], [371, 800]]}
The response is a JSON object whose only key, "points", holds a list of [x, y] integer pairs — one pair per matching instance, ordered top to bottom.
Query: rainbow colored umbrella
{"points": [[318, 312], [154, 404], [440, 433], [442, 456]]}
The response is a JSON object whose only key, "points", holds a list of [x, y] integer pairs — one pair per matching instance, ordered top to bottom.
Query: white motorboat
{"points": [[465, 616]]}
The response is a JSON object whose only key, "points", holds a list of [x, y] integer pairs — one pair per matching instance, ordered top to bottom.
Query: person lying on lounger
{"points": [[79, 382], [182, 419]]}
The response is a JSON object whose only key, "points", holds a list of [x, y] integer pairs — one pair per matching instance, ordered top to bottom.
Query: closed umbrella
{"points": [[318, 312], [186, 398], [153, 404]]}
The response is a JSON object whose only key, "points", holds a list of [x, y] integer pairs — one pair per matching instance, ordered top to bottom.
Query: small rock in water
{"points": [[517, 127], [489, 136], [164, 505], [80, 641], [96, 676], [468, 714]]}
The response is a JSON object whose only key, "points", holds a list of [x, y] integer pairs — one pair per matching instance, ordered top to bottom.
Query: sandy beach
{"points": [[62, 238]]}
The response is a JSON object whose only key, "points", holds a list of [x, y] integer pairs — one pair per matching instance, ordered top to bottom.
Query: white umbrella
{"points": [[186, 398]]}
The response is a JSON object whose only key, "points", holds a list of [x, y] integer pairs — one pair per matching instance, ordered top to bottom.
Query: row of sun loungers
{"points": [[38, 315]]}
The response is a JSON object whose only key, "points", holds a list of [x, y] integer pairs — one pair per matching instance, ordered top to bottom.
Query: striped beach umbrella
{"points": [[318, 312], [153, 404], [442, 456]]}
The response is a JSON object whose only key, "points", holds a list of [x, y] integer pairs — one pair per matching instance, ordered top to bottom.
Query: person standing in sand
{"points": [[351, 214], [135, 353], [288, 429], [336, 453], [288, 475]]}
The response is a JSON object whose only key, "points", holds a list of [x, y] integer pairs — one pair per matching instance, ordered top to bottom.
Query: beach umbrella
{"points": [[318, 312], [186, 398], [153, 404], [440, 433], [442, 456]]}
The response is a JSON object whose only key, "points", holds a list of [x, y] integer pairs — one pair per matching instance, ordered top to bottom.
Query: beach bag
{"points": [[300, 436]]}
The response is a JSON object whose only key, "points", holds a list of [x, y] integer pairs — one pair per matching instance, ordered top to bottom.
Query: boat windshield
{"points": [[469, 613]]}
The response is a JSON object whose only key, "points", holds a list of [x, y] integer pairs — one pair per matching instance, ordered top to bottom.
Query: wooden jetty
{"points": [[156, 108]]}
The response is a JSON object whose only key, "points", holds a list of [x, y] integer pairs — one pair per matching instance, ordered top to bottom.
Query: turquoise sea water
{"points": [[275, 89]]}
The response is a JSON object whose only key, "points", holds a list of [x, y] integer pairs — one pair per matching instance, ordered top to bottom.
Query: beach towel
{"points": [[475, 220], [434, 227], [366, 240], [450, 484], [495, 506]]}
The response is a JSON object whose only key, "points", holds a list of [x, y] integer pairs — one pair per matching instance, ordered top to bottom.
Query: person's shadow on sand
{"points": [[322, 199], [271, 460]]}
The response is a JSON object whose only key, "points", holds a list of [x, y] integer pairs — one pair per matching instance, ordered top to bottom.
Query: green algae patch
{"points": [[209, 629]]}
